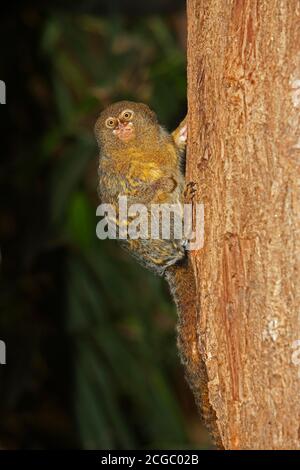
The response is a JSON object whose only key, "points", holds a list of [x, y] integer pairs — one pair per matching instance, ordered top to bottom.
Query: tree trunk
{"points": [[243, 151]]}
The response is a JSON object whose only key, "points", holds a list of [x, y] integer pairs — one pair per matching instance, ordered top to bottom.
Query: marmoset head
{"points": [[124, 123]]}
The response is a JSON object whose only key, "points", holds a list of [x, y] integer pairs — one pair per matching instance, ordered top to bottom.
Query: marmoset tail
{"points": [[139, 159]]}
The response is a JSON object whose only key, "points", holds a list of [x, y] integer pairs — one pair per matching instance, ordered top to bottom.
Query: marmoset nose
{"points": [[120, 124]]}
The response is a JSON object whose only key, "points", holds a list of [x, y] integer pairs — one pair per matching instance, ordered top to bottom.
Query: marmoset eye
{"points": [[127, 114], [110, 122]]}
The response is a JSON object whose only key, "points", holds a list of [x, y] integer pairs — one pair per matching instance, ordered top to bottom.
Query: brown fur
{"points": [[148, 169], [181, 280]]}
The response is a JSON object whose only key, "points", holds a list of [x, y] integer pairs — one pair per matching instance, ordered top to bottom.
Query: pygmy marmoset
{"points": [[141, 160]]}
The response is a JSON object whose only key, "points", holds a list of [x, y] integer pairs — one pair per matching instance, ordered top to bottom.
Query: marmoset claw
{"points": [[190, 191]]}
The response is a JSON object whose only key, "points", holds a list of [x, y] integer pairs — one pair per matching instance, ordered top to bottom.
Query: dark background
{"points": [[90, 335]]}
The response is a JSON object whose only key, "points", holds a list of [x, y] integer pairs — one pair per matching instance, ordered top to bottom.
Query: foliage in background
{"points": [[97, 365]]}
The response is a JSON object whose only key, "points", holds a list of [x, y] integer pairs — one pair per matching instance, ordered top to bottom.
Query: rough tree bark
{"points": [[243, 152]]}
